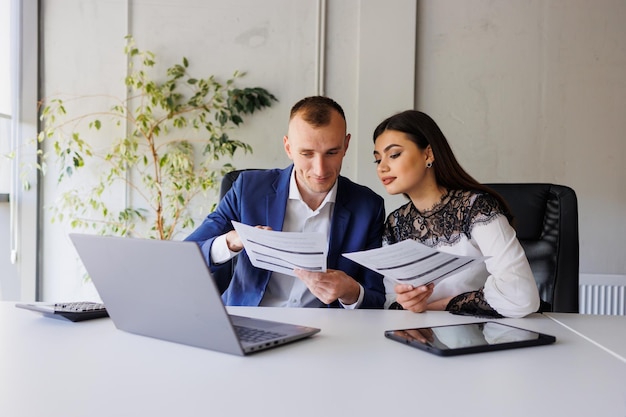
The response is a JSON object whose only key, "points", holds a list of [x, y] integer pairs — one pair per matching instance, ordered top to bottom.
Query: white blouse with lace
{"points": [[470, 224]]}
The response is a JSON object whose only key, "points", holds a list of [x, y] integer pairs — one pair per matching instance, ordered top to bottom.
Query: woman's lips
{"points": [[387, 180]]}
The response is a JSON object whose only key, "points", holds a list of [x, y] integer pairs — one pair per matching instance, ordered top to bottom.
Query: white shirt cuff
{"points": [[220, 252], [358, 301]]}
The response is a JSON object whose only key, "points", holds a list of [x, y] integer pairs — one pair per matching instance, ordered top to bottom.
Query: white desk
{"points": [[609, 332], [54, 368]]}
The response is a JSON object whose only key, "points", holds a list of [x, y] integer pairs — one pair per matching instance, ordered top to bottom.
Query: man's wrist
{"points": [[236, 248], [219, 251], [355, 296]]}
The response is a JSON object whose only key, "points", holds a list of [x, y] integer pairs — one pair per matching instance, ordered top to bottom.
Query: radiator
{"points": [[602, 294]]}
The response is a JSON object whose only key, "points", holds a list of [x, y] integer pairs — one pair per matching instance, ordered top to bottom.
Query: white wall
{"points": [[274, 41], [524, 90], [535, 91]]}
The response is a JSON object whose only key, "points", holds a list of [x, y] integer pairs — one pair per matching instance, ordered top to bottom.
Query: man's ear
{"points": [[346, 142], [287, 147]]}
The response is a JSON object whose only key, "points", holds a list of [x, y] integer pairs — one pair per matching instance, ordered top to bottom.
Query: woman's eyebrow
{"points": [[393, 145]]}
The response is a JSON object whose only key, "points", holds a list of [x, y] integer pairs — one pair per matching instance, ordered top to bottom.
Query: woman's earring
{"points": [[429, 165]]}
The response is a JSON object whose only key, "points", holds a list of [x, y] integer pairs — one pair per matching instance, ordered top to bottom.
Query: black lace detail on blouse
{"points": [[444, 224], [472, 303]]}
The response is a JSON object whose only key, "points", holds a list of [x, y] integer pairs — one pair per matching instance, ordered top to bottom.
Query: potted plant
{"points": [[173, 143]]}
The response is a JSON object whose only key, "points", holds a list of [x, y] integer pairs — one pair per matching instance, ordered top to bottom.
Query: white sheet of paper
{"points": [[283, 251], [410, 262]]}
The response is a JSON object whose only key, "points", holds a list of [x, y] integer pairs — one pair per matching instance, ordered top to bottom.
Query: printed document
{"points": [[283, 251], [410, 262]]}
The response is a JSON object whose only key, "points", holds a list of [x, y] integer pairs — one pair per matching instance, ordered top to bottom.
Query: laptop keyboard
{"points": [[252, 335]]}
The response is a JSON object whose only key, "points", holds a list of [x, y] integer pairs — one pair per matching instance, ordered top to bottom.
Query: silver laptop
{"points": [[164, 289]]}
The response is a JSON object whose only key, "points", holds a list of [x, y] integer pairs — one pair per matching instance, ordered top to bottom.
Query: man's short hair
{"points": [[316, 110]]}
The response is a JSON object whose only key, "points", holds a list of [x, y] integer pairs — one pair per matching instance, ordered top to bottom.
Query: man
{"points": [[308, 196]]}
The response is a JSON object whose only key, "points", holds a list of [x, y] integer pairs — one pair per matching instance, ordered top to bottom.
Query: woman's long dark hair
{"points": [[423, 131]]}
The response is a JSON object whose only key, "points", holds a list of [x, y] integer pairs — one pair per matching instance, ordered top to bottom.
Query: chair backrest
{"points": [[228, 180], [546, 222], [224, 274]]}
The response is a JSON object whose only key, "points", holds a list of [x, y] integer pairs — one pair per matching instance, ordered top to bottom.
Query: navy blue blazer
{"points": [[259, 197]]}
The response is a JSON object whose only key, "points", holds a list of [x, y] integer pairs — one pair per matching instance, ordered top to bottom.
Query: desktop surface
{"points": [[609, 332], [56, 368]]}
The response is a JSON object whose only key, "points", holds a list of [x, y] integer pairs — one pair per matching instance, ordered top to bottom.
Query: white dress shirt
{"points": [[285, 290]]}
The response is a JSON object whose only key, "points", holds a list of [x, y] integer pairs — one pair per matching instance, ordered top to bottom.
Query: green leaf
{"points": [[236, 119]]}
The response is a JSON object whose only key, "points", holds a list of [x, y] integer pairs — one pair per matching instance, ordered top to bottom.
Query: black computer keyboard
{"points": [[81, 310], [73, 311]]}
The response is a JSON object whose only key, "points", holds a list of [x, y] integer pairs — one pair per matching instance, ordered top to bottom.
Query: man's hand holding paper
{"points": [[283, 251]]}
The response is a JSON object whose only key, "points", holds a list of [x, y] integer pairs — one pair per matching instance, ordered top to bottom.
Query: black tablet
{"points": [[459, 339]]}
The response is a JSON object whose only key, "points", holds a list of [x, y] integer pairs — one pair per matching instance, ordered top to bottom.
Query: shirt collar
{"points": [[294, 193]]}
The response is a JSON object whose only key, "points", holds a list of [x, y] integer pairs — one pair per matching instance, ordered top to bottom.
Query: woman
{"points": [[451, 212]]}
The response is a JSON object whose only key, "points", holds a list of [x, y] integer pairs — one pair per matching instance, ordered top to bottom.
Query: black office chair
{"points": [[230, 178], [546, 221], [223, 275]]}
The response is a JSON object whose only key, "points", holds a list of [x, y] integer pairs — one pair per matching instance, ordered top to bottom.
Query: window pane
{"points": [[5, 57], [5, 163]]}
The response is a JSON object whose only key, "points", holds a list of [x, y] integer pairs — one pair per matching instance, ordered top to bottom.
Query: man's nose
{"points": [[319, 166]]}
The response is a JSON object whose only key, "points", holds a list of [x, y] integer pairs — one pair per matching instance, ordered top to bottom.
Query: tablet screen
{"points": [[465, 338]]}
